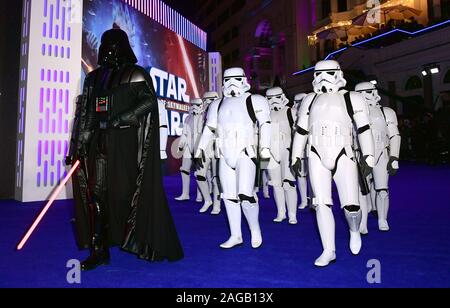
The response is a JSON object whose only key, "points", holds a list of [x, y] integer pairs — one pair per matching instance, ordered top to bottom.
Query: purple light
{"points": [[45, 7], [57, 8], [63, 26], [44, 29], [50, 31], [56, 32], [68, 33], [43, 49], [50, 50], [56, 51], [62, 52], [68, 52], [42, 75], [49, 76], [55, 76], [67, 77], [61, 78], [48, 95], [54, 100], [41, 101], [67, 102], [47, 122], [40, 126], [59, 146], [46, 148], [39, 153], [53, 153], [58, 171], [45, 172], [38, 180]]}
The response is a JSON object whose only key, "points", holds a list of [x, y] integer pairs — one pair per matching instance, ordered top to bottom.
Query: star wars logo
{"points": [[169, 86]]}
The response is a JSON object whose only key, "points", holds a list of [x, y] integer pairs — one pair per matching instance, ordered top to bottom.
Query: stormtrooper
{"points": [[233, 120], [326, 121], [163, 130], [192, 131], [387, 140], [209, 170], [281, 177], [302, 178]]}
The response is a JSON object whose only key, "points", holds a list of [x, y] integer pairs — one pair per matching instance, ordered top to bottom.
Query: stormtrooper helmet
{"points": [[328, 77], [235, 82], [369, 91], [209, 97], [277, 99], [298, 99], [196, 106]]}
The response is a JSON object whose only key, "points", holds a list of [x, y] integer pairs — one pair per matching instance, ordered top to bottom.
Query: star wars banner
{"points": [[179, 69]]}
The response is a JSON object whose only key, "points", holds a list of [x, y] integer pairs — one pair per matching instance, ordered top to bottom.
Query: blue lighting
{"points": [[375, 38]]}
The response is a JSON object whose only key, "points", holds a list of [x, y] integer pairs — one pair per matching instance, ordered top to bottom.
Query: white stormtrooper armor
{"points": [[232, 120], [326, 121], [384, 125], [163, 130], [192, 130], [209, 170], [281, 177], [301, 179]]}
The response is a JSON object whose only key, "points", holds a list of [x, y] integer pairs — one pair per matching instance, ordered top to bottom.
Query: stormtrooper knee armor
{"points": [[232, 120], [326, 121], [387, 140], [281, 176]]}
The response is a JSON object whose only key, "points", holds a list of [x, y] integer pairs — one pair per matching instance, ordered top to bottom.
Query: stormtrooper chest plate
{"points": [[330, 126], [379, 127], [235, 128], [281, 132]]}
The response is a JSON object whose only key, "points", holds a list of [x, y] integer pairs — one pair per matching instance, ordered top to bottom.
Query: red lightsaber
{"points": [[48, 205]]}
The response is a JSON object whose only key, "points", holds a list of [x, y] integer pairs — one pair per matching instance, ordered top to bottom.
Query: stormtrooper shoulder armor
{"points": [[261, 108]]}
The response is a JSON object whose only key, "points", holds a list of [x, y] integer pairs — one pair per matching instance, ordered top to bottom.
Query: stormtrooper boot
{"points": [[186, 181], [204, 189], [303, 192], [216, 195], [280, 201], [291, 202], [383, 209], [251, 212], [234, 219], [325, 222], [354, 223]]}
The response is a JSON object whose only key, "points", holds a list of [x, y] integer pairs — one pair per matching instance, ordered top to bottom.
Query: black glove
{"points": [[127, 119], [69, 160], [199, 162], [297, 167], [390, 168], [366, 170]]}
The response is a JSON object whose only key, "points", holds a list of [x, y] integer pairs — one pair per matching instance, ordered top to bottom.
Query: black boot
{"points": [[99, 252], [99, 256]]}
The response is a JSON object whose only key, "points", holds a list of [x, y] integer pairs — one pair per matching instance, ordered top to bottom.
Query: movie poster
{"points": [[179, 69]]}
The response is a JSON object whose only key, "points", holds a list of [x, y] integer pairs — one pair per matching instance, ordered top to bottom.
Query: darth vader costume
{"points": [[119, 195]]}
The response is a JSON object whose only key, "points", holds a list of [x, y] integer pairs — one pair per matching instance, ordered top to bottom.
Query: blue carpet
{"points": [[416, 253]]}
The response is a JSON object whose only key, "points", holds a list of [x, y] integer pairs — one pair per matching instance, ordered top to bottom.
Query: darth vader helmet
{"points": [[115, 49]]}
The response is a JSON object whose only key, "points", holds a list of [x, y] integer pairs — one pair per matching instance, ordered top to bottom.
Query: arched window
{"points": [[447, 77], [413, 83]]}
